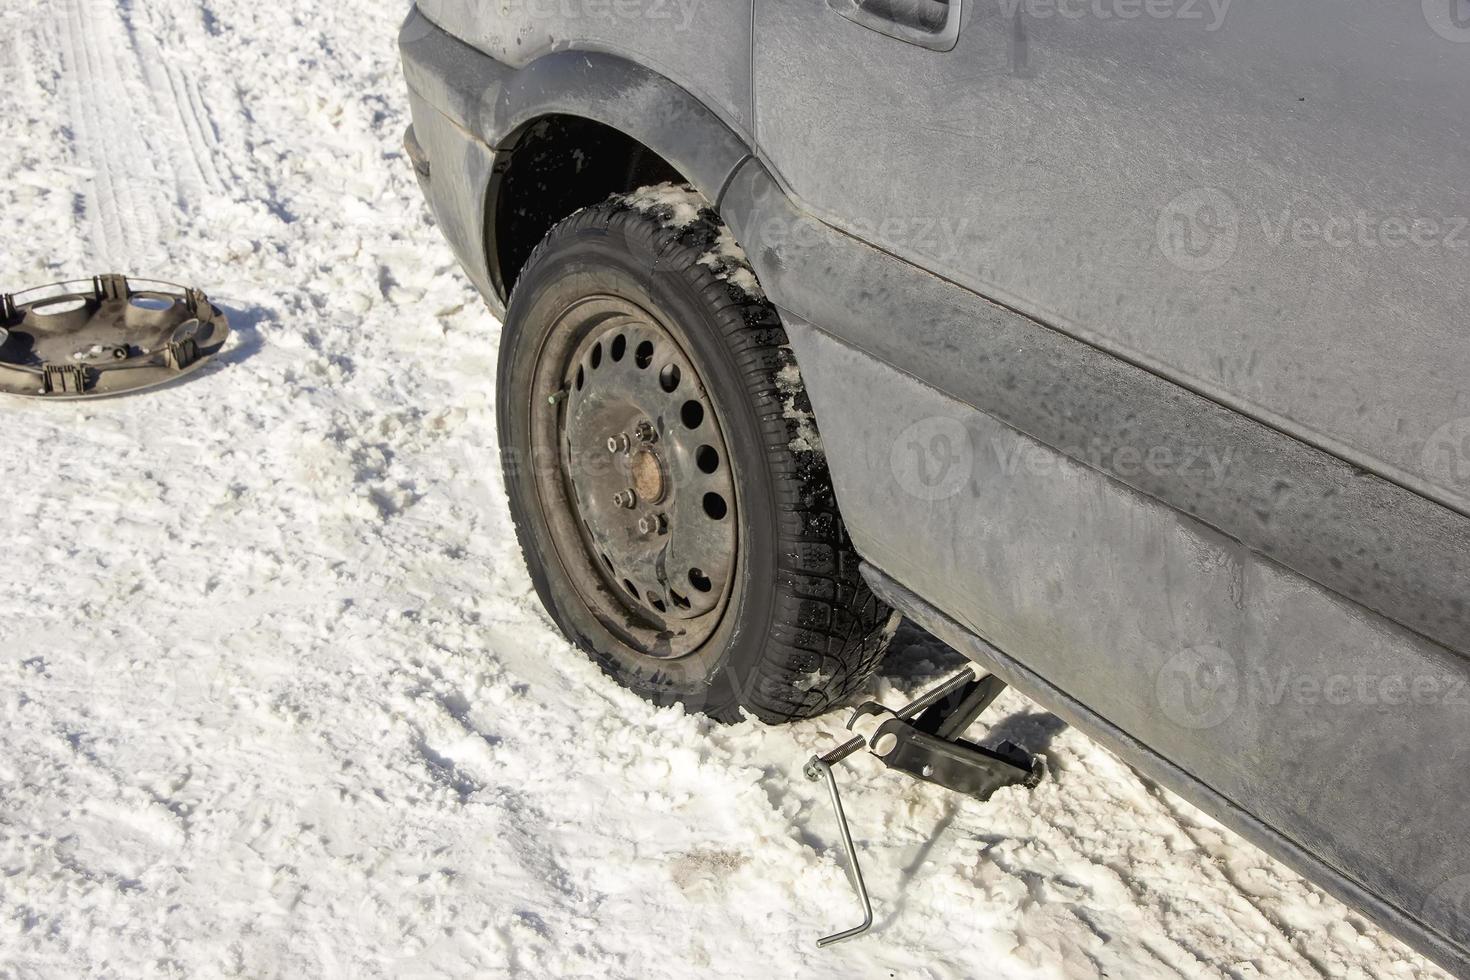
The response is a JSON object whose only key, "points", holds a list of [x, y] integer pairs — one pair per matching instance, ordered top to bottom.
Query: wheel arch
{"points": [[481, 115], [582, 125]]}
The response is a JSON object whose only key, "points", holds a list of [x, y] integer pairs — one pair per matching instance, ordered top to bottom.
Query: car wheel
{"points": [[664, 472]]}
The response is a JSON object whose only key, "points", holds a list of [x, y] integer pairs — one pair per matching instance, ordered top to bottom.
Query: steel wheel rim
{"points": [[638, 490]]}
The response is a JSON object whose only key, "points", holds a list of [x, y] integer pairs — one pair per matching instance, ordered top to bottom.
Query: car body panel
{"points": [[703, 48], [469, 109], [1056, 158], [457, 189], [1400, 555], [1123, 604], [1298, 706]]}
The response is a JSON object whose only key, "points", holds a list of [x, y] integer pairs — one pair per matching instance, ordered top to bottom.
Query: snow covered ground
{"points": [[276, 698]]}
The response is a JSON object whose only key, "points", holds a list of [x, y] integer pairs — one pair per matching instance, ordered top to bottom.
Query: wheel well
{"points": [[557, 165]]}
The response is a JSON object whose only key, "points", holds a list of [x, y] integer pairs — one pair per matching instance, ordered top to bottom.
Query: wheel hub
{"points": [[648, 476]]}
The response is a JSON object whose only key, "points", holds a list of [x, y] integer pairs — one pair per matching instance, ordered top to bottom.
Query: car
{"points": [[1122, 346]]}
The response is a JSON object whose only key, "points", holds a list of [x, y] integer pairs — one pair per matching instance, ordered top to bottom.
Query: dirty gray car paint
{"points": [[1164, 310]]}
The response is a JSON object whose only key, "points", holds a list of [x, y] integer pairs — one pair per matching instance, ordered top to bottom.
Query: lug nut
{"points": [[646, 433], [619, 443], [626, 498], [653, 524]]}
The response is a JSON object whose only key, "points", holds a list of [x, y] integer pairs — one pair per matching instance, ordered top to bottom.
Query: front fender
{"points": [[495, 103]]}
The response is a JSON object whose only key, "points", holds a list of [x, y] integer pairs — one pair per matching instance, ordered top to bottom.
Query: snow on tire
{"points": [[666, 475]]}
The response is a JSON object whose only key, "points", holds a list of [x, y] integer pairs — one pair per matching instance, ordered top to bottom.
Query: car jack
{"points": [[923, 740]]}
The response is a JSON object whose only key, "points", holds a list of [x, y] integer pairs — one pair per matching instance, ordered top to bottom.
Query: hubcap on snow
{"points": [[107, 335], [644, 473]]}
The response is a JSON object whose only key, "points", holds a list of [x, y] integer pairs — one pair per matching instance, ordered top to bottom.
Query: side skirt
{"points": [[1155, 767]]}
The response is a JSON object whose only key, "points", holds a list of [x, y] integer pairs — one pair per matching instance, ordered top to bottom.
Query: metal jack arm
{"points": [[922, 739]]}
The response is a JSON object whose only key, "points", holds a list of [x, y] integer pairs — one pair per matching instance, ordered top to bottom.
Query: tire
{"points": [[649, 286]]}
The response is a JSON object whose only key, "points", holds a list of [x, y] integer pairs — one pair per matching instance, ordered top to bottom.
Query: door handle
{"points": [[933, 24]]}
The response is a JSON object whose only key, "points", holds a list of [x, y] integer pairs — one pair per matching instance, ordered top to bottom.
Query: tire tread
{"points": [[829, 631]]}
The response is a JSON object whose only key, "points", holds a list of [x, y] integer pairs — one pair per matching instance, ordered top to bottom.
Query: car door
{"points": [[1266, 202]]}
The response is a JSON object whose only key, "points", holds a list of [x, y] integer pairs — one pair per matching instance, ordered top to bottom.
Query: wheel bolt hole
{"points": [[619, 347], [596, 355], [643, 356], [581, 378], [668, 378], [692, 414], [707, 459], [715, 506], [699, 580], [632, 589], [678, 600], [656, 602]]}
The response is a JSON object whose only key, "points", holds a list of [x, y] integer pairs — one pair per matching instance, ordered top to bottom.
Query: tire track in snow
{"points": [[94, 96], [190, 114], [141, 126], [204, 133]]}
